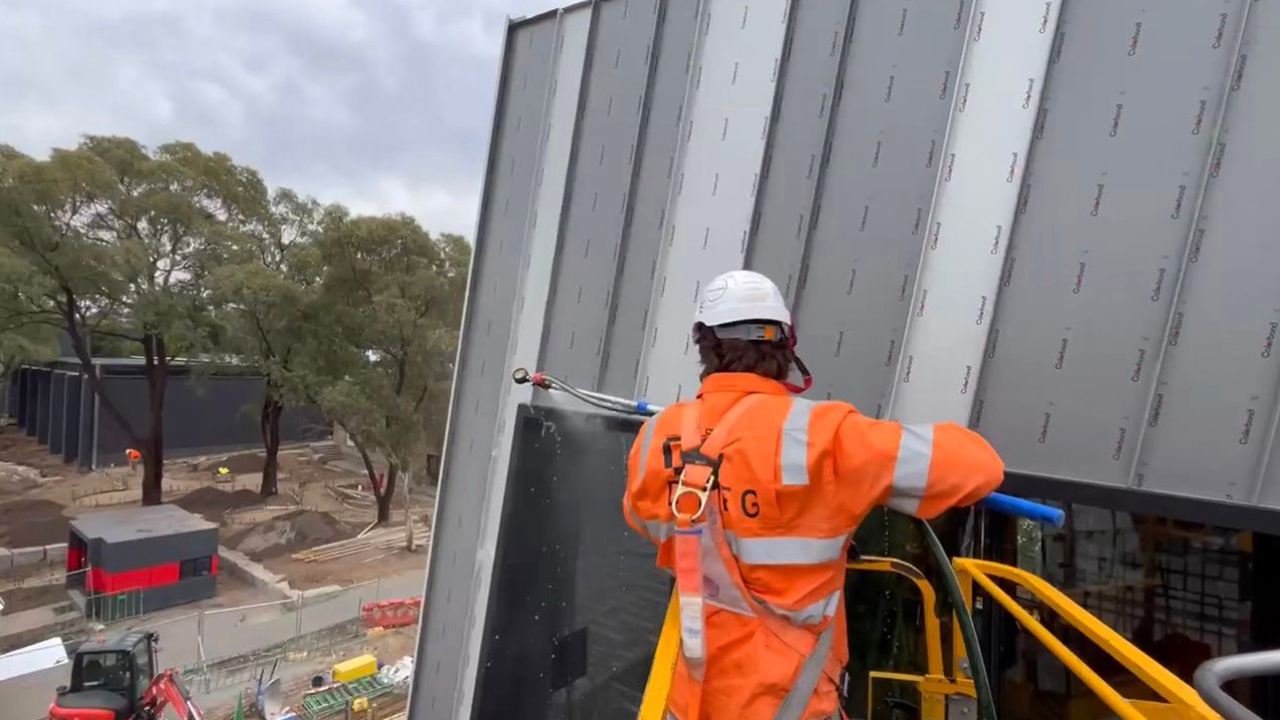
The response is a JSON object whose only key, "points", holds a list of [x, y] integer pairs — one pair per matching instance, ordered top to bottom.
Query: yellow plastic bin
{"points": [[355, 668]]}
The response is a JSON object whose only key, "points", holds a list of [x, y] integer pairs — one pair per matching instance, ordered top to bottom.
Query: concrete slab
{"points": [[55, 554], [27, 556], [6, 560], [241, 566]]}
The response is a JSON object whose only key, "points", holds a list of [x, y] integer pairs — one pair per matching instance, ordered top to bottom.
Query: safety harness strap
{"points": [[703, 459], [806, 682]]}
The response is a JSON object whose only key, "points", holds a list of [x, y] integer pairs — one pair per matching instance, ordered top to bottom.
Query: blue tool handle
{"points": [[1010, 505]]}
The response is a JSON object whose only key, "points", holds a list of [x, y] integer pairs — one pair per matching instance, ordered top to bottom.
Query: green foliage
{"points": [[110, 239], [174, 251], [389, 308]]}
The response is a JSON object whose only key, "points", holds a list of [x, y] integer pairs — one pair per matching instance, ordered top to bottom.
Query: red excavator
{"points": [[116, 680]]}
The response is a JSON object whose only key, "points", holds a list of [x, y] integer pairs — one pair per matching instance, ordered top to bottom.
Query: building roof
{"points": [[138, 523], [125, 641]]}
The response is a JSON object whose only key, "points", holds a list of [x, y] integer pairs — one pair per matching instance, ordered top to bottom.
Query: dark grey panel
{"points": [[657, 150], [793, 160], [1115, 176], [599, 190], [495, 276], [855, 285], [44, 400], [1215, 401], [33, 402], [57, 411], [202, 413], [72, 423], [88, 425], [160, 550], [179, 593], [577, 603]]}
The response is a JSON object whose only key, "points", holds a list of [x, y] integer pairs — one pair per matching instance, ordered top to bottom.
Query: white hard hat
{"points": [[739, 296]]}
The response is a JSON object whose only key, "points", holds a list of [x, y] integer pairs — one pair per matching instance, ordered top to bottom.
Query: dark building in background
{"points": [[208, 409], [141, 559]]}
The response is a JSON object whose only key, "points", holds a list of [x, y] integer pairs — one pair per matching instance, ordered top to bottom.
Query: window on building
{"points": [[195, 567]]}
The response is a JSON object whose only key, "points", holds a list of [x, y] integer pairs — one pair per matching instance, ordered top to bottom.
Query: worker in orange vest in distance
{"points": [[752, 497]]}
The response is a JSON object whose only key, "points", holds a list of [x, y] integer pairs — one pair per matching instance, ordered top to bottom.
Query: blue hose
{"points": [[1010, 505]]}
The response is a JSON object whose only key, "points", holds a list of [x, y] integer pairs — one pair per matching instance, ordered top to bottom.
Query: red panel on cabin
{"points": [[163, 575], [103, 582]]}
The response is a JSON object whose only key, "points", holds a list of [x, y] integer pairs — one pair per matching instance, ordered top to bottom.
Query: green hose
{"points": [[977, 668]]}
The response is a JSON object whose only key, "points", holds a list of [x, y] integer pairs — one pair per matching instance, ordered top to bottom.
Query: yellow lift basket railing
{"points": [[1178, 700]]}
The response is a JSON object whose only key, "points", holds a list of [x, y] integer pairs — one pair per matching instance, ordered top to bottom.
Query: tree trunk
{"points": [[80, 344], [157, 369], [271, 410], [382, 493], [387, 493], [408, 515]]}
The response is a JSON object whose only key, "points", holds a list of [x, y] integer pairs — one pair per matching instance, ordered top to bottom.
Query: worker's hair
{"points": [[767, 359]]}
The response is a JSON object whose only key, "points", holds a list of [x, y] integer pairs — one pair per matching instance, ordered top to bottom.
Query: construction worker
{"points": [[752, 497]]}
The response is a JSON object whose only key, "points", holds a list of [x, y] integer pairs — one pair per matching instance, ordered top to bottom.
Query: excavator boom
{"points": [[167, 690]]}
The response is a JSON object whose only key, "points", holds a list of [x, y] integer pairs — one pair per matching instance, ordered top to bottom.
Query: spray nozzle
{"points": [[523, 377]]}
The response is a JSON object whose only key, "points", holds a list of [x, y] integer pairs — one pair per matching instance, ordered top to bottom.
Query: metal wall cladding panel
{"points": [[1000, 83], [664, 103], [890, 121], [724, 131], [793, 160], [1115, 176], [551, 182], [600, 189], [550, 192], [482, 356], [44, 398], [33, 402], [75, 404], [57, 411], [201, 413], [1213, 414], [88, 425]]}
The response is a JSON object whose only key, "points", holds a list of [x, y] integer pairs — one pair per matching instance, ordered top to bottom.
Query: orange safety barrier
{"points": [[391, 613]]}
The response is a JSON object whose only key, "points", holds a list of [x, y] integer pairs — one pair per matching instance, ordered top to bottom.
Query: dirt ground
{"points": [[16, 447], [212, 504], [38, 513], [24, 523], [289, 533], [349, 570], [27, 598]]}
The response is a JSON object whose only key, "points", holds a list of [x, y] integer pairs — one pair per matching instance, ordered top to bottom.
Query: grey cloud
{"points": [[383, 105]]}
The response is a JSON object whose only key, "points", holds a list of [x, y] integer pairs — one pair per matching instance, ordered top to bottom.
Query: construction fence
{"points": [[217, 648]]}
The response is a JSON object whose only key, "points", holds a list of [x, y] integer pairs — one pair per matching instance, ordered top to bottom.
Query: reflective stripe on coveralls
{"points": [[910, 475], [784, 526], [720, 562]]}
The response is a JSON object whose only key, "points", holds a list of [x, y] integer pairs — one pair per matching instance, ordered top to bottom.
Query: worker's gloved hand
{"points": [[854, 555]]}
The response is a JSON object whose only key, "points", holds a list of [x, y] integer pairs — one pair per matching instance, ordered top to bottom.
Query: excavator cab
{"points": [[108, 678]]}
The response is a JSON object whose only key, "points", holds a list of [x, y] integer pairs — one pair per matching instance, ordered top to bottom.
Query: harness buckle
{"points": [[701, 493]]}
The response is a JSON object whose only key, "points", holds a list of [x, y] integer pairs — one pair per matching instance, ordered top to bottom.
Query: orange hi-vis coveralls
{"points": [[795, 478]]}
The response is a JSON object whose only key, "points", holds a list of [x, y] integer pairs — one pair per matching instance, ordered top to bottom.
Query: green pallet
{"points": [[337, 699]]}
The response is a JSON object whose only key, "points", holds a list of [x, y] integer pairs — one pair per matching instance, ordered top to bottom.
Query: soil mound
{"points": [[241, 463], [212, 504], [24, 523], [289, 533]]}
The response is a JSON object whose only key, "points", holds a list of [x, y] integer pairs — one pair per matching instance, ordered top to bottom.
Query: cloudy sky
{"points": [[383, 105]]}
